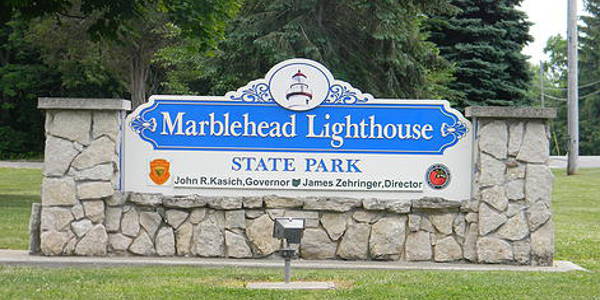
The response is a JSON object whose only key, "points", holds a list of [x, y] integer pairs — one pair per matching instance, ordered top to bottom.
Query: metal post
{"points": [[542, 83], [572, 96], [287, 269]]}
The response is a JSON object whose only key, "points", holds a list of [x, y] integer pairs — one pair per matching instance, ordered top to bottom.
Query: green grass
{"points": [[18, 189], [577, 221]]}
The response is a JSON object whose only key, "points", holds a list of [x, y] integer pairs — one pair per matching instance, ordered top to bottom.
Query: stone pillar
{"points": [[81, 172], [510, 218]]}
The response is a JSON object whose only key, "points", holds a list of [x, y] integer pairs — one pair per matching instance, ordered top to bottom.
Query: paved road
{"points": [[560, 162], [21, 164]]}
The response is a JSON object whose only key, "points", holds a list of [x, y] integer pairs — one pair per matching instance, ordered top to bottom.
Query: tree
{"points": [[109, 14], [484, 41], [378, 46], [130, 50], [22, 74], [25, 76], [589, 77], [589, 88], [555, 90]]}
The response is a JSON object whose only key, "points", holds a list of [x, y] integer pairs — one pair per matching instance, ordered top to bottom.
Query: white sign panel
{"points": [[297, 132]]}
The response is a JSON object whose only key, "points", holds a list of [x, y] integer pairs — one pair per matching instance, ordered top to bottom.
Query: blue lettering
{"points": [[236, 164]]}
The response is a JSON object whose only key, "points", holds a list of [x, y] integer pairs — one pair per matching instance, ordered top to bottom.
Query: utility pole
{"points": [[542, 83], [572, 96]]}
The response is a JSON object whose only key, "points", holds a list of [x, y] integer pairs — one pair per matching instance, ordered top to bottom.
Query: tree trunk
{"points": [[138, 76]]}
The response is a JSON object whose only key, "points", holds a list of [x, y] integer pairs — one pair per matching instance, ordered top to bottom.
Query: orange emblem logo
{"points": [[159, 171]]}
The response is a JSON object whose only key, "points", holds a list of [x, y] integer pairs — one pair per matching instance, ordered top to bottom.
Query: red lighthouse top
{"points": [[299, 74]]}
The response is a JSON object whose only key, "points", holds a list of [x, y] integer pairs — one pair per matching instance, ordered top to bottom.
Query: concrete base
{"points": [[21, 257], [297, 285]]}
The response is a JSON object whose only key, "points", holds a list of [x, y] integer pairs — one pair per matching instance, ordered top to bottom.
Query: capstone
{"points": [[152, 200], [273, 201], [252, 202], [225, 203], [338, 204]]}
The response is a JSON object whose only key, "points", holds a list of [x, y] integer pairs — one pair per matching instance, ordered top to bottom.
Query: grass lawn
{"points": [[18, 189], [577, 221]]}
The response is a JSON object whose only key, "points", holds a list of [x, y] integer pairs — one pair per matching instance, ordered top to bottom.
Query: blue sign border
{"points": [[142, 124]]}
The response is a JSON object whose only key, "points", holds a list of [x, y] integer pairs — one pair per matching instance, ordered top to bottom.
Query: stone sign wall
{"points": [[508, 219]]}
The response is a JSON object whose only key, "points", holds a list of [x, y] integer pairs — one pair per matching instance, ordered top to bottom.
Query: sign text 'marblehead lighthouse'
{"points": [[298, 131]]}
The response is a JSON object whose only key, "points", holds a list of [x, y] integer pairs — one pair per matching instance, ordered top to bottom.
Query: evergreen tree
{"points": [[484, 41], [377, 46]]}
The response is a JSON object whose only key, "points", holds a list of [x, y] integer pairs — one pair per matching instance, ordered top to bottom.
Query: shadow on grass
{"points": [[18, 200]]}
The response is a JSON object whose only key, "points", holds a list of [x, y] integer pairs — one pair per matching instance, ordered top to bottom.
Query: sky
{"points": [[549, 17]]}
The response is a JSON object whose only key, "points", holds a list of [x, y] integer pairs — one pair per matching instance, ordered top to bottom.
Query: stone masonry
{"points": [[81, 174], [508, 219]]}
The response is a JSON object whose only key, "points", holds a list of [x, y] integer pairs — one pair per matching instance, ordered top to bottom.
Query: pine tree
{"points": [[484, 41], [378, 46]]}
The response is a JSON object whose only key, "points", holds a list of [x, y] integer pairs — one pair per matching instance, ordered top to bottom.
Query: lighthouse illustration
{"points": [[299, 94]]}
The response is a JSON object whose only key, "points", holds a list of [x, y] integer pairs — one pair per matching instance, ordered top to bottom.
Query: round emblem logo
{"points": [[299, 86], [437, 176]]}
